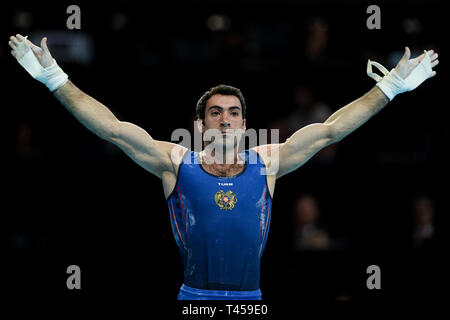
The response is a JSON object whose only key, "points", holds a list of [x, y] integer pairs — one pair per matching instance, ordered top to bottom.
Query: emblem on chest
{"points": [[225, 200]]}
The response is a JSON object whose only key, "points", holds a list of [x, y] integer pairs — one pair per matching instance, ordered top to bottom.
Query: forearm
{"points": [[91, 113], [352, 116]]}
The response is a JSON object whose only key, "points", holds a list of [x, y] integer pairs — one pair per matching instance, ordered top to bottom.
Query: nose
{"points": [[224, 123]]}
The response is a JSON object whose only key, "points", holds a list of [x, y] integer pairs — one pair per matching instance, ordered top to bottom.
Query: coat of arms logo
{"points": [[225, 200]]}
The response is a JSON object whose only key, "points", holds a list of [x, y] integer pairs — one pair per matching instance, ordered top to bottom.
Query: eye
{"points": [[215, 113], [235, 113]]}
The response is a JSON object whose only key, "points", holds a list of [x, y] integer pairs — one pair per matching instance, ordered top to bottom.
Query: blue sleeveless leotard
{"points": [[221, 224]]}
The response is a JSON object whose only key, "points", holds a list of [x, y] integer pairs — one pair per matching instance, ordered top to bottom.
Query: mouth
{"points": [[225, 133]]}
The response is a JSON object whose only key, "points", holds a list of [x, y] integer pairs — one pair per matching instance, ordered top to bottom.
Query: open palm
{"points": [[21, 45], [405, 66]]}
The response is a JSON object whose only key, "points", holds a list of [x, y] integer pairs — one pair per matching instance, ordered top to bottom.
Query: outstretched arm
{"points": [[306, 142], [151, 154]]}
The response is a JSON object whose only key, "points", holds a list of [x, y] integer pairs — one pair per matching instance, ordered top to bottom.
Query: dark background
{"points": [[70, 198]]}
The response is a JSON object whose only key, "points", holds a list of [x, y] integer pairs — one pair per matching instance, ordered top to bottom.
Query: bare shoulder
{"points": [[268, 152], [175, 153], [270, 155]]}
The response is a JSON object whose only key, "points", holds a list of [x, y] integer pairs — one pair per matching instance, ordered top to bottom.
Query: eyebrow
{"points": [[221, 108]]}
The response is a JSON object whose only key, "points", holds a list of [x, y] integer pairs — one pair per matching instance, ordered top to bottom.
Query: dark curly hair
{"points": [[220, 89]]}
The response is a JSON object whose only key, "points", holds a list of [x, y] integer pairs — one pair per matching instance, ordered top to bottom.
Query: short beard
{"points": [[226, 148]]}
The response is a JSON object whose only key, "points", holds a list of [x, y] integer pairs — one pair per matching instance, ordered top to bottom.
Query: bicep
{"points": [[302, 145], [149, 153]]}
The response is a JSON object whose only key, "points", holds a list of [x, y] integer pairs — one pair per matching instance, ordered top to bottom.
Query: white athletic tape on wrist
{"points": [[53, 77], [392, 84]]}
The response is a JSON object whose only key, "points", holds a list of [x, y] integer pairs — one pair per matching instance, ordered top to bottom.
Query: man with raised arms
{"points": [[220, 199]]}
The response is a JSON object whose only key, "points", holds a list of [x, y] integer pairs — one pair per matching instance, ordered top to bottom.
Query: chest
{"points": [[223, 170], [216, 205]]}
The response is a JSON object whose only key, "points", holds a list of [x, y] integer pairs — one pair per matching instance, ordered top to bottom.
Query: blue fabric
{"points": [[220, 224], [188, 293]]}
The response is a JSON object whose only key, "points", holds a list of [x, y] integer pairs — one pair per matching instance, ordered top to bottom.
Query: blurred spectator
{"points": [[316, 39], [308, 110], [283, 127], [24, 148], [423, 225], [308, 235]]}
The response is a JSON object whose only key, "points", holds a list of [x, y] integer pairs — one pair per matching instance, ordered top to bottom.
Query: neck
{"points": [[221, 156]]}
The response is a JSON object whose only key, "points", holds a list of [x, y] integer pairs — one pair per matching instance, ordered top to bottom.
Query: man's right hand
{"points": [[21, 45]]}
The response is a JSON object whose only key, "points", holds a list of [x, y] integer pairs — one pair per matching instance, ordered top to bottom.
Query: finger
{"points": [[20, 37], [14, 40], [12, 45], [44, 45], [13, 52], [406, 55], [434, 57], [434, 63], [433, 74]]}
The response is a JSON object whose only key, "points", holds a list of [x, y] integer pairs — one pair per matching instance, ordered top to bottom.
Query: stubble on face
{"points": [[222, 128]]}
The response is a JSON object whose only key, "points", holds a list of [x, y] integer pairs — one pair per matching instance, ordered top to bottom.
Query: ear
{"points": [[244, 124], [200, 125]]}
